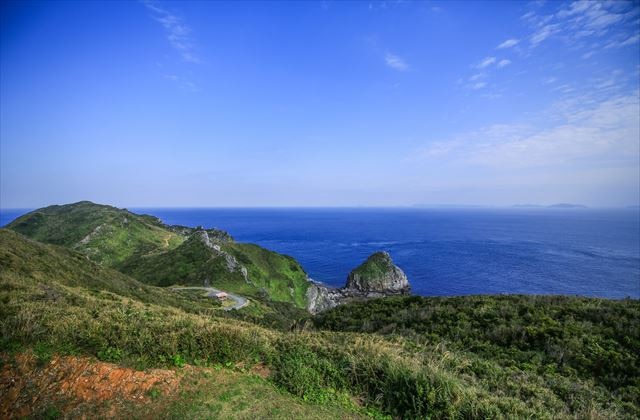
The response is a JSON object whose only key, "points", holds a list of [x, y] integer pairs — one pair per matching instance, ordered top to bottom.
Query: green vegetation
{"points": [[105, 234], [148, 250], [191, 263], [375, 267], [50, 272], [270, 275], [278, 276], [577, 352], [405, 357], [223, 393]]}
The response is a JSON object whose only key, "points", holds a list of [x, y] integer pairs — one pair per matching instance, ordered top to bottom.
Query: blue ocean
{"points": [[589, 252]]}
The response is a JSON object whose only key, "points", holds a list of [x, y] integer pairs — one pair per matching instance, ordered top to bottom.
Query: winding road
{"points": [[240, 301]]}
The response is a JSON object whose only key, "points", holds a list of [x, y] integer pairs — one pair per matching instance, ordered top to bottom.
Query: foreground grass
{"points": [[584, 351], [82, 387], [224, 393]]}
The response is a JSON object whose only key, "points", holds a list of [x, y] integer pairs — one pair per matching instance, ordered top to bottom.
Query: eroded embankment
{"points": [[77, 386]]}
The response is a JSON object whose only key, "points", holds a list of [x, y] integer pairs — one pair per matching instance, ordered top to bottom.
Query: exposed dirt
{"points": [[261, 370], [79, 387]]}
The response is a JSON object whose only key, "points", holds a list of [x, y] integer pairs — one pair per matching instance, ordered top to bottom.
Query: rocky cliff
{"points": [[378, 276]]}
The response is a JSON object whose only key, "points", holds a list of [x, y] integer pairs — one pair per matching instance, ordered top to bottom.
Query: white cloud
{"points": [[591, 15], [586, 19], [178, 32], [542, 34], [633, 39], [508, 43], [396, 62], [486, 62], [503, 63], [476, 76], [182, 82], [478, 85], [604, 132]]}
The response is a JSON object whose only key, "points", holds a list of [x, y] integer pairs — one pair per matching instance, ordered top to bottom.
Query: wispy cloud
{"points": [[580, 20], [178, 32], [543, 33], [633, 39], [508, 43], [587, 55], [395, 62], [486, 62], [503, 63], [182, 82], [478, 85], [606, 131]]}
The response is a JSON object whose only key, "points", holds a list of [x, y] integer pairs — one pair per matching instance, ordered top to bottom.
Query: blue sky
{"points": [[158, 103]]}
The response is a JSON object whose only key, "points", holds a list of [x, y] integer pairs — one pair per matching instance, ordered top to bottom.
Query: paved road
{"points": [[240, 301]]}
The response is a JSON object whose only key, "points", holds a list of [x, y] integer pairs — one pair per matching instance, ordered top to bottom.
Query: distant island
{"points": [[552, 206]]}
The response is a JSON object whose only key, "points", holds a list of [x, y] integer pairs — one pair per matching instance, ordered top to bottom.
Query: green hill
{"points": [[105, 234], [158, 254], [48, 272]]}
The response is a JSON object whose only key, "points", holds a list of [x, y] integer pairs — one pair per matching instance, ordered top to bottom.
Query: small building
{"points": [[222, 295]]}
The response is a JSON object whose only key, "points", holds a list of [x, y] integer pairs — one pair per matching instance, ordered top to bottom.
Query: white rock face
{"points": [[231, 261]]}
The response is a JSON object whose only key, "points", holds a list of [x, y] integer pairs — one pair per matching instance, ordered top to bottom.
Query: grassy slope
{"points": [[106, 234], [146, 249], [188, 264], [48, 272], [279, 275], [272, 276], [55, 300], [580, 349], [404, 375]]}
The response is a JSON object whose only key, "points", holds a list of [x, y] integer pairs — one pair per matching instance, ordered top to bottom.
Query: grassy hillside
{"points": [[105, 234], [157, 254], [191, 263], [47, 273], [270, 275], [279, 276], [580, 350], [458, 366]]}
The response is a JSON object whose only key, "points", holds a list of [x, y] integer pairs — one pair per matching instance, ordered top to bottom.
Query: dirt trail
{"points": [[241, 302]]}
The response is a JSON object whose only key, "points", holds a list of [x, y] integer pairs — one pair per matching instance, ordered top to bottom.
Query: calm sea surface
{"points": [[447, 252]]}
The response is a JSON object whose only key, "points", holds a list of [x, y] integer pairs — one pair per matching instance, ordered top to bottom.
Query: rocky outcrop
{"points": [[214, 244], [378, 274], [377, 277]]}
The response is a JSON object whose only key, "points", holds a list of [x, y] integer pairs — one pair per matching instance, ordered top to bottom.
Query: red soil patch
{"points": [[261, 370], [74, 384]]}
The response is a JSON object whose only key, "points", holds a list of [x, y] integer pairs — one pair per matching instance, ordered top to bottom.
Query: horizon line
{"points": [[399, 206]]}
